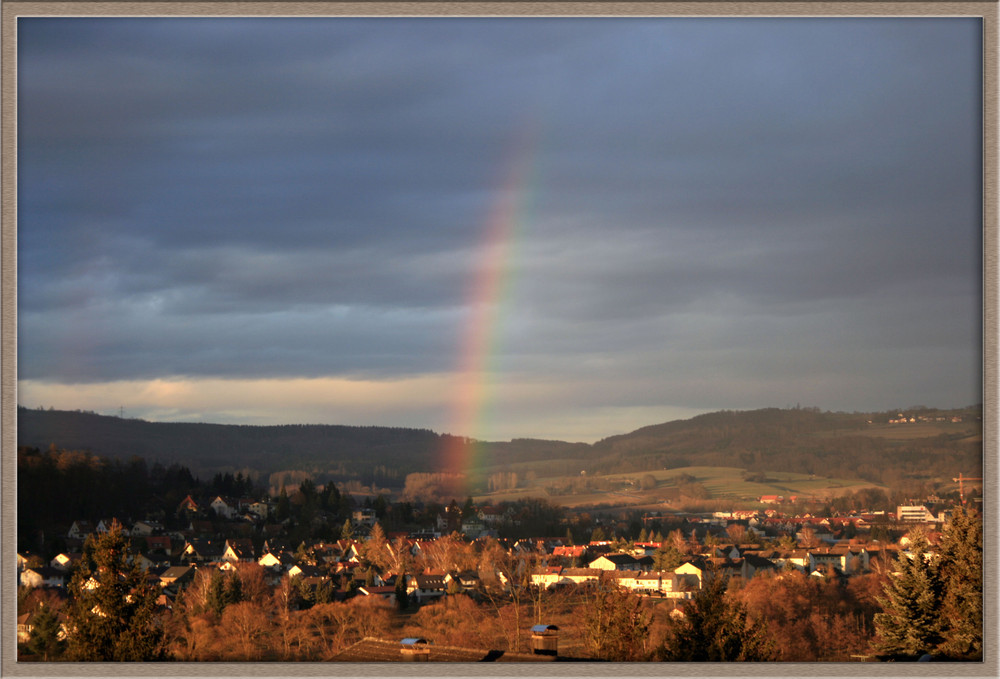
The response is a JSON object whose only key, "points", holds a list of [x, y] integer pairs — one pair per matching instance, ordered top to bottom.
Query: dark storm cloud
{"points": [[311, 195]]}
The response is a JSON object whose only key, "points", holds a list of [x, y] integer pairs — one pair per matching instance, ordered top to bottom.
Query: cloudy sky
{"points": [[564, 228]]}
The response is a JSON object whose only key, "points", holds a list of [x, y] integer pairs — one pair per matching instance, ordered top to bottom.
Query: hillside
{"points": [[803, 441], [807, 441], [207, 448]]}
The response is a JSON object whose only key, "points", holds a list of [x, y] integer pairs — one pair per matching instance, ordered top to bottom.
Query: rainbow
{"points": [[489, 288]]}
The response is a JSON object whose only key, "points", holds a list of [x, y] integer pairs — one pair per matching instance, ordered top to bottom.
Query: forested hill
{"points": [[937, 443], [877, 447], [207, 448]]}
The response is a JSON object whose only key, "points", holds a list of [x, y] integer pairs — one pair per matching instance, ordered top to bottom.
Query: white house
{"points": [[225, 507], [616, 562], [43, 576]]}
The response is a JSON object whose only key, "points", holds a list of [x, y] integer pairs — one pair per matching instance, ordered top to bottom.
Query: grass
{"points": [[914, 430], [720, 482]]}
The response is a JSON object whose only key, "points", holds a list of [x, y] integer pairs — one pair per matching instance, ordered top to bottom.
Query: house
{"points": [[188, 506], [225, 507], [261, 510], [490, 516], [363, 517], [105, 526], [473, 527], [145, 529], [80, 530], [159, 544], [275, 545], [201, 550], [238, 550], [570, 552], [799, 558], [24, 559], [277, 561], [65, 562], [615, 562], [146, 563], [755, 563], [305, 571], [693, 574], [176, 575], [43, 576], [580, 576], [547, 577], [627, 579], [467, 580], [662, 583], [425, 587], [387, 592], [25, 625]]}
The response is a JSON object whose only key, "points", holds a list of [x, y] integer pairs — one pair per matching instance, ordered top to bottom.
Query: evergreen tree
{"points": [[284, 508], [347, 530], [666, 557], [961, 572], [232, 593], [402, 598], [215, 599], [111, 614], [910, 622], [715, 629], [44, 640]]}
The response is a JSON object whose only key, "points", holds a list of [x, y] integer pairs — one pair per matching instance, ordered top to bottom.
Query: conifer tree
{"points": [[284, 509], [666, 557], [961, 572], [402, 598], [111, 613], [909, 625], [45, 629], [715, 629]]}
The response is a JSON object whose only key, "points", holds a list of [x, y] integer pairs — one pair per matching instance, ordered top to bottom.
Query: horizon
{"points": [[499, 228], [123, 416]]}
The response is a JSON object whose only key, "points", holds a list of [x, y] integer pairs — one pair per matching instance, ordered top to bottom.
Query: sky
{"points": [[559, 228]]}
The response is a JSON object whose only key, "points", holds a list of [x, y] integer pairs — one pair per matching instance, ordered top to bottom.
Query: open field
{"points": [[971, 431], [720, 482]]}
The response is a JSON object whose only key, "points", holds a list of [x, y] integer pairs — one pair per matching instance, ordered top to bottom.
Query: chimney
{"points": [[545, 640], [415, 649]]}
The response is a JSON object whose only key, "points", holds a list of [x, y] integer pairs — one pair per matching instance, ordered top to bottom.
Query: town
{"points": [[234, 580]]}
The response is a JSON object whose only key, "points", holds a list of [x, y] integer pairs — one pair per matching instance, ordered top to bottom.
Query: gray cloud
{"points": [[738, 209]]}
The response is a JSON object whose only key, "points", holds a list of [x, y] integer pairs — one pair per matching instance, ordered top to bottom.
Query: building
{"points": [[914, 513]]}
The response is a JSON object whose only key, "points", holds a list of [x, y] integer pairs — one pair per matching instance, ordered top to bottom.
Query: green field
{"points": [[915, 430], [720, 482]]}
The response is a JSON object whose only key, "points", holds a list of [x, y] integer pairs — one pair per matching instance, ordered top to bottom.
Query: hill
{"points": [[937, 444], [209, 448]]}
